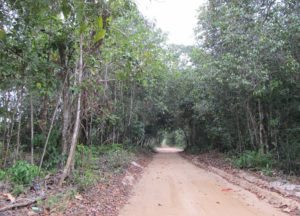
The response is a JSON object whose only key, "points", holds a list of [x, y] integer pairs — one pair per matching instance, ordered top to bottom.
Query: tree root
{"points": [[25, 203]]}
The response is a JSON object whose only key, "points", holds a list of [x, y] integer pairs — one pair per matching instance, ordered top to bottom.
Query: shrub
{"points": [[110, 148], [193, 149], [83, 157], [118, 159], [254, 159], [22, 172], [2, 175], [85, 179], [17, 190], [58, 202]]}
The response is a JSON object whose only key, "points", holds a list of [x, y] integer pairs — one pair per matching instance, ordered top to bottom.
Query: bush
{"points": [[103, 149], [193, 149], [84, 157], [118, 159], [254, 159], [23, 172], [2, 175], [85, 179], [17, 190], [58, 202]]}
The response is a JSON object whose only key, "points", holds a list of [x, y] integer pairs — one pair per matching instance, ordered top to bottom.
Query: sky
{"points": [[178, 18]]}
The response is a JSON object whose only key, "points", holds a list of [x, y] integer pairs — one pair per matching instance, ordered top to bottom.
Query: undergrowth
{"points": [[255, 160], [93, 161]]}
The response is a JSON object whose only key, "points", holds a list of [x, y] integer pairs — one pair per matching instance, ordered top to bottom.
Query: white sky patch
{"points": [[178, 18]]}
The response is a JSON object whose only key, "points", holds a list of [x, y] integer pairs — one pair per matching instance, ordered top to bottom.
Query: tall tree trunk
{"points": [[79, 72], [66, 118], [254, 126], [261, 127], [31, 129], [5, 131], [10, 131], [238, 132], [251, 133], [18, 144]]}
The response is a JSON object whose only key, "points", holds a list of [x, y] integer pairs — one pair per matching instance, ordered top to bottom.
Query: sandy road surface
{"points": [[171, 186]]}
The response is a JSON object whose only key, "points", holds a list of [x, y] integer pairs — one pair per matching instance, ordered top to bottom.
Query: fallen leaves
{"points": [[109, 195]]}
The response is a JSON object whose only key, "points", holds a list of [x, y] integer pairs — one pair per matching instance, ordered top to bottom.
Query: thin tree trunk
{"points": [[115, 103], [131, 106], [66, 118], [254, 126], [261, 127], [6, 128], [32, 129], [238, 131], [49, 132], [250, 132], [10, 133], [18, 137], [18, 144], [71, 155]]}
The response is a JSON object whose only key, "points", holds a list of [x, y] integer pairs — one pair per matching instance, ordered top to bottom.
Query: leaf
{"points": [[66, 9], [109, 20], [99, 23], [83, 27], [2, 34], [99, 35], [38, 85]]}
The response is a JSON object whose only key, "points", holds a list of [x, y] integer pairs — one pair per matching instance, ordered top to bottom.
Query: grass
{"points": [[58, 202]]}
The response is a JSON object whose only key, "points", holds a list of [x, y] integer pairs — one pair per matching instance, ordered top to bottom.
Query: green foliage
{"points": [[176, 138], [104, 149], [194, 149], [53, 155], [84, 157], [118, 159], [254, 159], [22, 173], [2, 175], [85, 178], [18, 189], [59, 201]]}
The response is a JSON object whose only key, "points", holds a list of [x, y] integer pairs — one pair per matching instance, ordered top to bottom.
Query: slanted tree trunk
{"points": [[79, 72], [49, 131]]}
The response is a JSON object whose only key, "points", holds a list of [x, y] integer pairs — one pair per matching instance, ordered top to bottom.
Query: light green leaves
{"points": [[99, 23], [100, 30], [2, 34], [99, 35]]}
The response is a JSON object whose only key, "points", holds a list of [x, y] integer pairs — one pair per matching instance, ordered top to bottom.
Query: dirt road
{"points": [[171, 186]]}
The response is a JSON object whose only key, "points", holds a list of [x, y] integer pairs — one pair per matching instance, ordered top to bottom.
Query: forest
{"points": [[89, 76]]}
